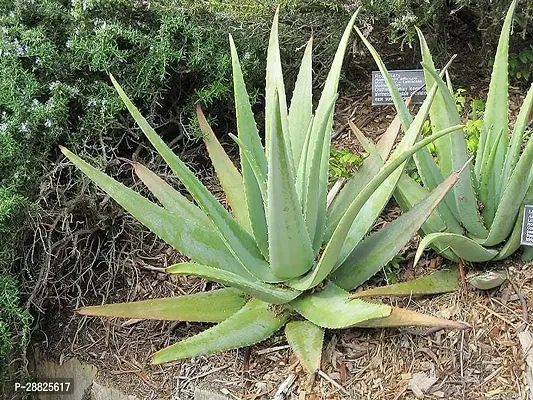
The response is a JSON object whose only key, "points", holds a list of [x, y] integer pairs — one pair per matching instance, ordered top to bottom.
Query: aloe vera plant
{"points": [[480, 219], [283, 255]]}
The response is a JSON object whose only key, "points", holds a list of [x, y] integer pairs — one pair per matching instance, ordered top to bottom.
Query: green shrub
{"points": [[399, 17], [14, 324]]}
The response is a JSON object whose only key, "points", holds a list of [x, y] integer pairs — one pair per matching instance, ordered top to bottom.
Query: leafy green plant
{"points": [[521, 65], [473, 123], [343, 164], [480, 219], [282, 252], [14, 325]]}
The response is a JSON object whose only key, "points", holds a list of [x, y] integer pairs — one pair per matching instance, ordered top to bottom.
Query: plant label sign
{"points": [[407, 81], [527, 226]]}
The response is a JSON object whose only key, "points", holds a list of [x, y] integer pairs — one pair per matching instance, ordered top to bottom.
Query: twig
{"points": [[523, 302], [273, 349], [335, 384], [284, 388]]}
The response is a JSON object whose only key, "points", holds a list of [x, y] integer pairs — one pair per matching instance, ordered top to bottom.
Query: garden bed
{"points": [[108, 257]]}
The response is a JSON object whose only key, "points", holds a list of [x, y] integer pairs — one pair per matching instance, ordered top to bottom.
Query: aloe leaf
{"points": [[274, 83], [301, 109], [496, 109], [403, 112], [444, 113], [441, 116], [246, 126], [386, 142], [318, 151], [513, 154], [229, 177], [260, 177], [431, 178], [301, 182], [487, 183], [353, 186], [254, 187], [349, 192], [407, 194], [170, 198], [512, 198], [315, 204], [256, 208], [366, 218], [185, 234], [512, 243], [241, 244], [463, 246], [381, 247], [290, 249], [527, 254], [330, 255], [488, 280], [442, 281], [260, 290], [193, 307], [330, 308], [404, 317], [253, 323], [306, 340]]}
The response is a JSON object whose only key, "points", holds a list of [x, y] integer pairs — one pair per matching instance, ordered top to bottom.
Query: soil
{"points": [[107, 257]]}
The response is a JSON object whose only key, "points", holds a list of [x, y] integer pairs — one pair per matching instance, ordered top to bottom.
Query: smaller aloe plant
{"points": [[480, 219], [283, 254]]}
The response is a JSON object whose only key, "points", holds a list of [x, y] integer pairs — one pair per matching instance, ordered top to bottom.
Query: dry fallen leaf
{"points": [[420, 383]]}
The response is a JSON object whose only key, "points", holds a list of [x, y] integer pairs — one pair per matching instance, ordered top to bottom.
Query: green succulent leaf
{"points": [[275, 84], [301, 109], [444, 113], [440, 114], [495, 119], [252, 154], [513, 154], [316, 172], [230, 179], [353, 186], [408, 193], [170, 198], [512, 198], [184, 232], [513, 242], [241, 244], [463, 246], [380, 247], [290, 249], [331, 252], [527, 254], [442, 281], [263, 291], [196, 307], [330, 308], [404, 317], [253, 323], [306, 340]]}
